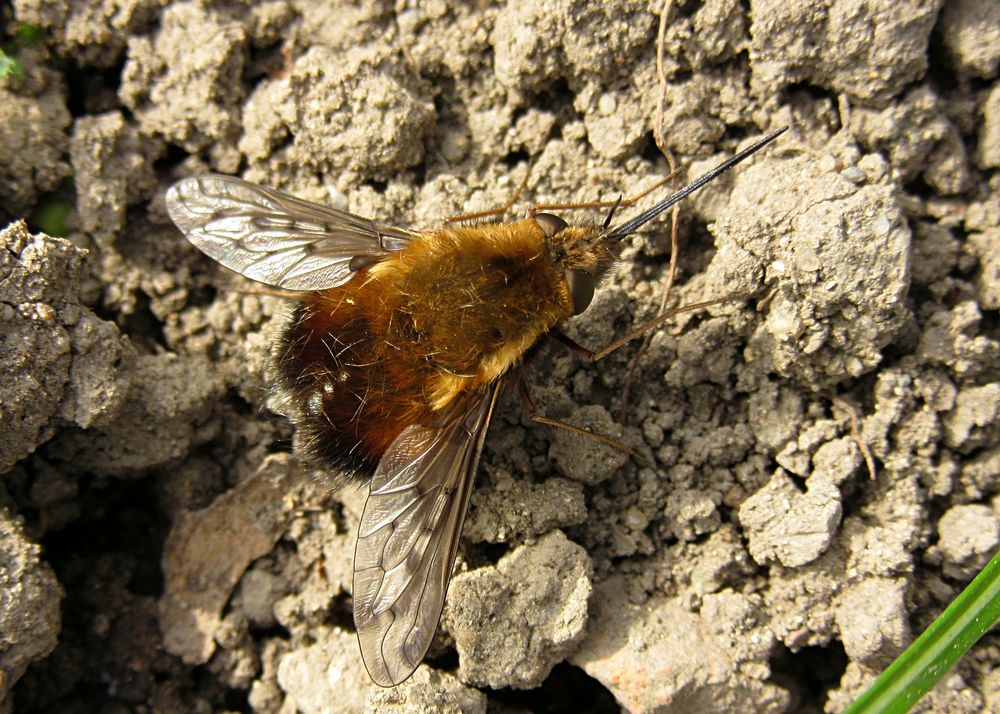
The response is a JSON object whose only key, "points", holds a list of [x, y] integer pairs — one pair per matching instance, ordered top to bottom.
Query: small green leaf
{"points": [[29, 35], [10, 66], [50, 217]]}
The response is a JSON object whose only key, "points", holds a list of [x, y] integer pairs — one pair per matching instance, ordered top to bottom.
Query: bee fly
{"points": [[395, 358]]}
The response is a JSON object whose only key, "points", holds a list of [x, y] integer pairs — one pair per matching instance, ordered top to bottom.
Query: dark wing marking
{"points": [[275, 238], [409, 534]]}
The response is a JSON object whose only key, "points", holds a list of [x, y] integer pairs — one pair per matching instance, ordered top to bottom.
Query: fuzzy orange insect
{"points": [[394, 360]]}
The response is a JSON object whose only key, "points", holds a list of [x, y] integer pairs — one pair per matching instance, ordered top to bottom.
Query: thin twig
{"points": [[674, 214], [852, 414]]}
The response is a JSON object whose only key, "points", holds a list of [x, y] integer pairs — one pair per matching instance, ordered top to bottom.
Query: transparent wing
{"points": [[275, 238], [409, 534]]}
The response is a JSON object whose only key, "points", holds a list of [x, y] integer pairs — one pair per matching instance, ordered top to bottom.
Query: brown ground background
{"points": [[162, 551]]}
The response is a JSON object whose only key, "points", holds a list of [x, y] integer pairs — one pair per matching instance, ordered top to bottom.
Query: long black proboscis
{"points": [[629, 227]]}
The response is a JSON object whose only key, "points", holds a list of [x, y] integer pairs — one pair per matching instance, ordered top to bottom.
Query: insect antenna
{"points": [[631, 226]]}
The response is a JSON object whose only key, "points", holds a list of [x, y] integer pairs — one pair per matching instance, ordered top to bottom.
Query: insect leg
{"points": [[617, 203], [499, 211], [639, 331], [567, 341], [529, 408]]}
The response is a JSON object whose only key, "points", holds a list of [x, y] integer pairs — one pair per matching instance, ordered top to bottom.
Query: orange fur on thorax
{"points": [[401, 341]]}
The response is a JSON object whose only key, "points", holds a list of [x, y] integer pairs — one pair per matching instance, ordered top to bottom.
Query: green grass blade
{"points": [[950, 636]]}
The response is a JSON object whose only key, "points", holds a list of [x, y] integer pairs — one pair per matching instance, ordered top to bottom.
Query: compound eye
{"points": [[550, 224], [581, 289]]}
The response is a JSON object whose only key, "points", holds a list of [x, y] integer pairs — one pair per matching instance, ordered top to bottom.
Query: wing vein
{"points": [[276, 238], [408, 536]]}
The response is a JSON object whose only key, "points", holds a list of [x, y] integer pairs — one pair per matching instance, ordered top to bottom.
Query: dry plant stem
{"points": [[661, 32], [661, 145], [674, 214], [674, 247], [671, 273], [765, 302], [529, 408], [866, 453]]}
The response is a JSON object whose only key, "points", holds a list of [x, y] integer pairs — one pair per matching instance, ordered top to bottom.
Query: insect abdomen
{"points": [[349, 398]]}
